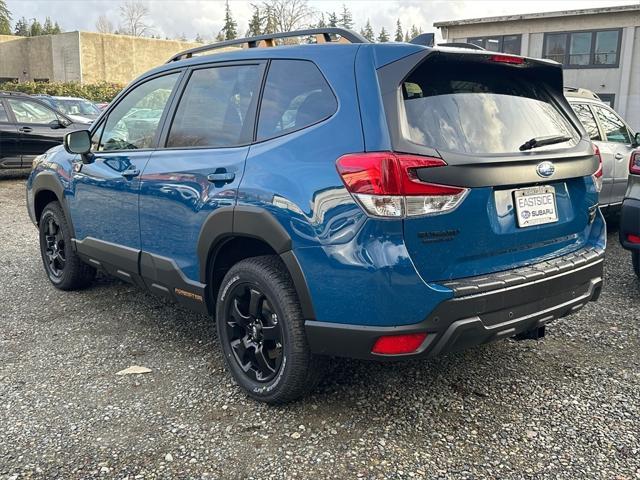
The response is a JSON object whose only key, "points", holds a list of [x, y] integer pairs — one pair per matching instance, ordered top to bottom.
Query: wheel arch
{"points": [[47, 187], [231, 234]]}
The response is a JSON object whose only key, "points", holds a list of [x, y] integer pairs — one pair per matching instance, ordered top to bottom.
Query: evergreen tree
{"points": [[346, 18], [5, 19], [333, 20], [255, 23], [270, 25], [22, 27], [47, 27], [56, 28], [230, 28], [35, 29], [414, 31], [367, 32], [220, 36], [384, 36], [399, 36], [406, 36], [199, 38]]}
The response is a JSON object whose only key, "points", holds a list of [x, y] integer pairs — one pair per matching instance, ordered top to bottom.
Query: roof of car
{"points": [[9, 93], [583, 93], [576, 99]]}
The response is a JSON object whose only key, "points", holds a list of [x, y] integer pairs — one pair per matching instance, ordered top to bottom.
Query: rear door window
{"points": [[296, 95], [216, 109], [478, 109], [587, 119], [613, 127]]}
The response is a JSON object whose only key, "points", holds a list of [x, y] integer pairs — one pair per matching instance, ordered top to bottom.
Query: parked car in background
{"points": [[78, 109], [28, 128], [613, 137], [365, 200], [630, 213]]}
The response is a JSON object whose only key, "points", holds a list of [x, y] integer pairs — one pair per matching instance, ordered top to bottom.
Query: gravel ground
{"points": [[564, 407]]}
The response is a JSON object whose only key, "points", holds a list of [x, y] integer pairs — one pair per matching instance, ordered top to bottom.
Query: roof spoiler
{"points": [[425, 39]]}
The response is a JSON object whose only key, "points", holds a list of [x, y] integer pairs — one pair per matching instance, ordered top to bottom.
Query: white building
{"points": [[599, 47]]}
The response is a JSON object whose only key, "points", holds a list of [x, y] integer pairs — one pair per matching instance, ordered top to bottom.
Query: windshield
{"points": [[77, 107], [476, 109]]}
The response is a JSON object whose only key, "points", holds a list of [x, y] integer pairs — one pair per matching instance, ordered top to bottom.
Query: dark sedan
{"points": [[28, 128]]}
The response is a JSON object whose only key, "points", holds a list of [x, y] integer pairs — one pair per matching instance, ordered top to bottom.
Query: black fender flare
{"points": [[49, 181], [253, 222]]}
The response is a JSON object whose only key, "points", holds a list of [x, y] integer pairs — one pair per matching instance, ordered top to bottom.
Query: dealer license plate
{"points": [[535, 206]]}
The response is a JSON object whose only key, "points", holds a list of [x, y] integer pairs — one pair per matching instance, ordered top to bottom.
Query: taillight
{"points": [[507, 59], [634, 163], [597, 176], [387, 185], [631, 238], [398, 344]]}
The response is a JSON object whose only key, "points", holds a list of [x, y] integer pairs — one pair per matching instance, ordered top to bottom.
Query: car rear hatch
{"points": [[498, 168]]}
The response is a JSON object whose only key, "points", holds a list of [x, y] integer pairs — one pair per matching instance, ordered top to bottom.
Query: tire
{"points": [[635, 260], [63, 267], [261, 330]]}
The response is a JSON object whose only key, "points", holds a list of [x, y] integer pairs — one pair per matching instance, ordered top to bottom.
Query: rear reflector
{"points": [[507, 59], [634, 163], [597, 175], [387, 184], [633, 238], [398, 344]]}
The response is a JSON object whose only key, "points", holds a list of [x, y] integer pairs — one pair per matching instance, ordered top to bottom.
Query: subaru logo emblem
{"points": [[545, 169]]}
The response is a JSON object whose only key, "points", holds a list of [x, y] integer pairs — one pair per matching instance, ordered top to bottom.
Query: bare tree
{"points": [[289, 15], [134, 19], [104, 25]]}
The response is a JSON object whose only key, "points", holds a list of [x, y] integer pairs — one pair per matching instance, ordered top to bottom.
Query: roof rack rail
{"points": [[323, 35]]}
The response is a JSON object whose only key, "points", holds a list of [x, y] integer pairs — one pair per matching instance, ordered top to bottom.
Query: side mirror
{"points": [[55, 124], [636, 140], [78, 142]]}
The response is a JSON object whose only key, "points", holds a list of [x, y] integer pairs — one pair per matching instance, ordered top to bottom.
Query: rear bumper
{"points": [[630, 222], [483, 309]]}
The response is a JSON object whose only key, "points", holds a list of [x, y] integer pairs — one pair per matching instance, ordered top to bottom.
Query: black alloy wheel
{"points": [[54, 251], [62, 264], [254, 333], [262, 333]]}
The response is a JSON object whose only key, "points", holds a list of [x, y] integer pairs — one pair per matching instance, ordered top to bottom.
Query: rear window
{"points": [[296, 95], [478, 109]]}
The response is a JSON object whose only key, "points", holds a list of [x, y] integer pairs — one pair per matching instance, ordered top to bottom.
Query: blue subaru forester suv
{"points": [[338, 198]]}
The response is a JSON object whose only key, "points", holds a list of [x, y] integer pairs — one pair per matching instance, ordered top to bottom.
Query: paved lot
{"points": [[565, 407]]}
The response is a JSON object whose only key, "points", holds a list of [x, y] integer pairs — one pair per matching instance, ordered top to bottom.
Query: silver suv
{"points": [[615, 139]]}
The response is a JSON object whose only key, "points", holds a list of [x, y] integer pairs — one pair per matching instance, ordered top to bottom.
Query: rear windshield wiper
{"points": [[542, 141]]}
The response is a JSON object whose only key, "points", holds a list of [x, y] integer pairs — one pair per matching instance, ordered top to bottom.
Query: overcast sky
{"points": [[174, 18]]}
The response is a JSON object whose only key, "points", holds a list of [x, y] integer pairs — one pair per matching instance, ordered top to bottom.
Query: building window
{"points": [[499, 43], [595, 48], [608, 98]]}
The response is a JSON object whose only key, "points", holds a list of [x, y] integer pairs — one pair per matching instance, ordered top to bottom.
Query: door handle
{"points": [[26, 129], [618, 156], [130, 173], [221, 177]]}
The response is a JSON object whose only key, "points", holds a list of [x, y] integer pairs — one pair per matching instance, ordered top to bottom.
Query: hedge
{"points": [[98, 92]]}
